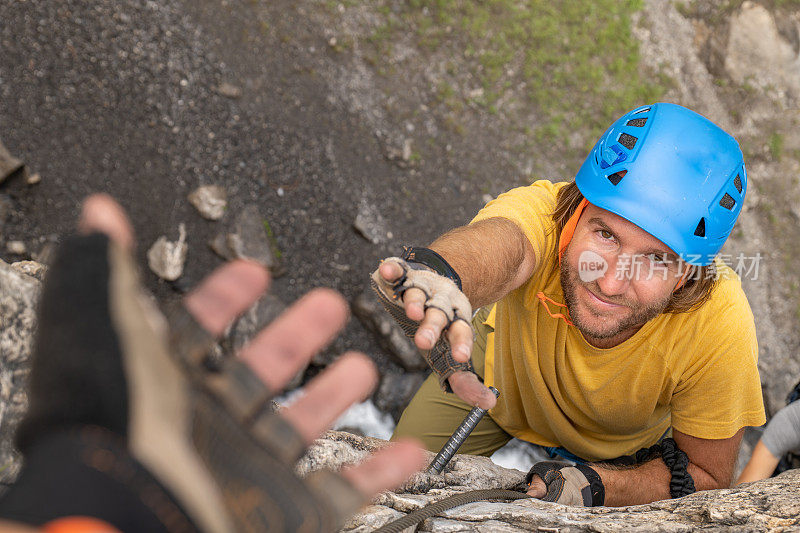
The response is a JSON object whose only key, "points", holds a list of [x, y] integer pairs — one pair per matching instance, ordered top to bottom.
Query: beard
{"points": [[603, 326]]}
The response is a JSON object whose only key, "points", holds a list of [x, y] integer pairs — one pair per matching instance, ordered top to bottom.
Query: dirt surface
{"points": [[122, 97], [338, 114]]}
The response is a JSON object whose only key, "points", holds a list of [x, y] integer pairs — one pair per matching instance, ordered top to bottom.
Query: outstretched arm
{"points": [[492, 257]]}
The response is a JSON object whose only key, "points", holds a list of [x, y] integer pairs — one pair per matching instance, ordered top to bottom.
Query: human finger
{"points": [[101, 213], [390, 271], [225, 294], [414, 303], [430, 329], [459, 334], [280, 350], [349, 380], [467, 387], [387, 468], [537, 489]]}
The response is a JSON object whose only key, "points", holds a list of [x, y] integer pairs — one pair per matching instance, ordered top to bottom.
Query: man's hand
{"points": [[433, 322], [105, 377], [577, 485]]}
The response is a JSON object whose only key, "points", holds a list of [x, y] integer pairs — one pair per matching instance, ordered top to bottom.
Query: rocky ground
{"points": [[338, 131], [769, 505]]}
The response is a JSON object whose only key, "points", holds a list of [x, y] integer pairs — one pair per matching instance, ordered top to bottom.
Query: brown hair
{"points": [[699, 280]]}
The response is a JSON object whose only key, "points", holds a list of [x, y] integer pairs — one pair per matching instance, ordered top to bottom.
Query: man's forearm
{"points": [[491, 256], [647, 482]]}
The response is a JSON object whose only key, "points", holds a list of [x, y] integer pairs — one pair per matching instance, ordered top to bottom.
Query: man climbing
{"points": [[604, 318]]}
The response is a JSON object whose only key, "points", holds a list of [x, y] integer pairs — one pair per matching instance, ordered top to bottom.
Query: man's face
{"points": [[615, 277]]}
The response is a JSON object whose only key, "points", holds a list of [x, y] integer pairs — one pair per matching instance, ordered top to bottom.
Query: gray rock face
{"points": [[758, 54], [31, 268], [18, 296], [389, 334], [769, 505]]}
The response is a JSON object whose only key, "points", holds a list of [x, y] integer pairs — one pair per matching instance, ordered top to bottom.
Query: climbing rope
{"points": [[415, 517]]}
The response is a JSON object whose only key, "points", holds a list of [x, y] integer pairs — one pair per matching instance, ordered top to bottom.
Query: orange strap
{"points": [[569, 228], [683, 278], [544, 299], [78, 524]]}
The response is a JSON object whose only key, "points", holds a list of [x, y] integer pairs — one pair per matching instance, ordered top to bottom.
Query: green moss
{"points": [[578, 61], [776, 146], [273, 242]]}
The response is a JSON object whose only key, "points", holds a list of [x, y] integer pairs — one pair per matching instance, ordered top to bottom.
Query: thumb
{"points": [[390, 271], [467, 387]]}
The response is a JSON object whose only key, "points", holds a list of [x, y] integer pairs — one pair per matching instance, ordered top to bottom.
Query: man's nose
{"points": [[616, 279]]}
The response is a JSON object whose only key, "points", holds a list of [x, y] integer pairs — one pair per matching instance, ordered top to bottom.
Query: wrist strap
{"points": [[432, 260], [681, 483], [595, 484]]}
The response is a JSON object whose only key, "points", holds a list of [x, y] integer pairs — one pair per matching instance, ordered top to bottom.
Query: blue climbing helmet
{"points": [[684, 180]]}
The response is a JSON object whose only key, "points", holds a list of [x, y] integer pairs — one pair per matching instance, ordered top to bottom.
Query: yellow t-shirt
{"points": [[695, 371]]}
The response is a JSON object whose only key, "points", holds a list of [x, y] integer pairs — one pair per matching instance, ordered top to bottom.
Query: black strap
{"points": [[432, 260], [676, 460]]}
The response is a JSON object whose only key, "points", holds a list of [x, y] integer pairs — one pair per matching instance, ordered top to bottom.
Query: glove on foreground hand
{"points": [[442, 294], [103, 376], [577, 485]]}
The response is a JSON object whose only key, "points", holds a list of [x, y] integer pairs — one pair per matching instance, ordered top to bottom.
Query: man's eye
{"points": [[606, 234], [657, 258]]}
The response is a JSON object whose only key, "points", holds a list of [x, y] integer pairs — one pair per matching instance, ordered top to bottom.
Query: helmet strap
{"points": [[569, 229], [683, 278]]}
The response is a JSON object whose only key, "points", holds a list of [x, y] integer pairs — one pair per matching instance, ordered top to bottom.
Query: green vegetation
{"points": [[578, 61], [776, 146], [272, 240]]}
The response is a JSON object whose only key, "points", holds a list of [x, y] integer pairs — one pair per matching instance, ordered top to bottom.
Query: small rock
{"points": [[229, 90], [476, 93], [406, 150], [9, 165], [33, 179], [210, 201], [370, 224], [249, 240], [219, 244], [16, 247], [166, 258], [31, 268], [260, 315], [388, 332]]}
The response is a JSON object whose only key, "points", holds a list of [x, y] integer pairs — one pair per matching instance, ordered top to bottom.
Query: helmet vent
{"points": [[642, 110], [636, 122], [628, 141], [615, 178], [737, 182], [727, 202], [700, 230]]}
